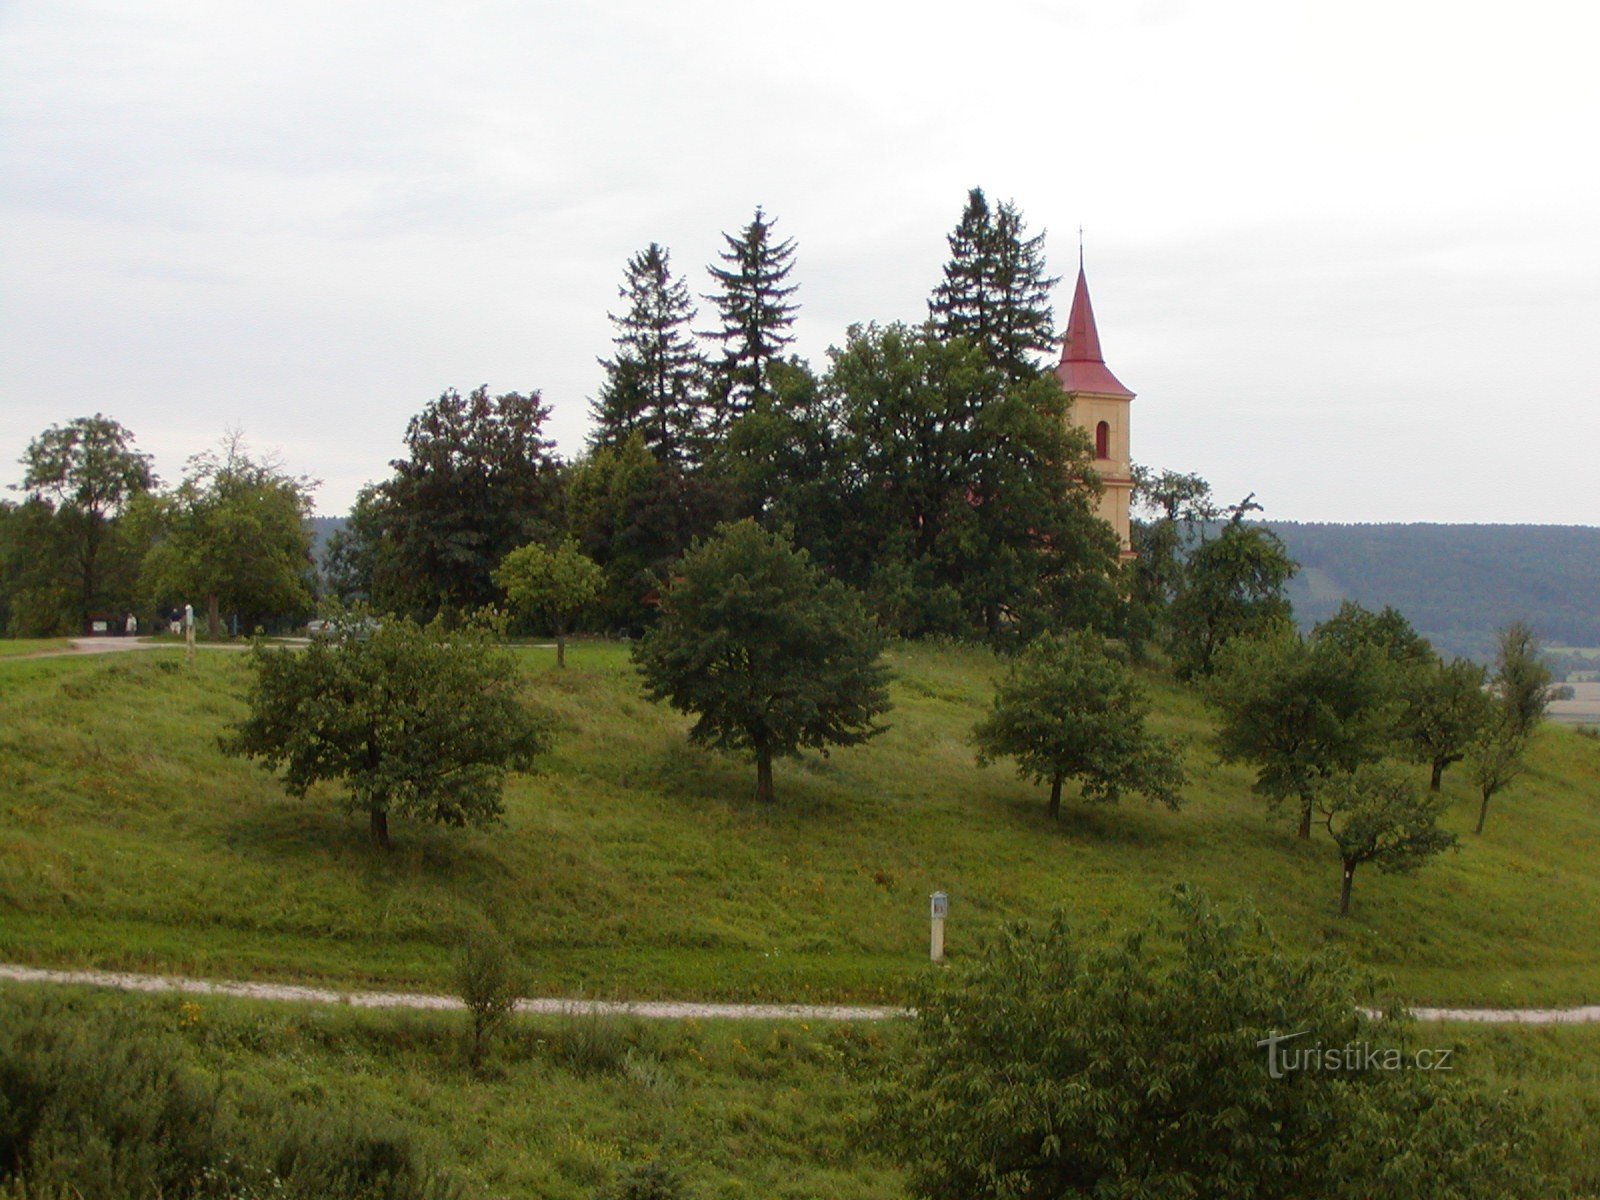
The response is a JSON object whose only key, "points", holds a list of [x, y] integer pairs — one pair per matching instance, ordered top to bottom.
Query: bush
{"points": [[488, 981], [1058, 1066], [96, 1107]]}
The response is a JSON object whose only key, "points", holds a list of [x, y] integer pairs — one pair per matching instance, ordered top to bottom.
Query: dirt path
{"points": [[123, 645], [669, 1010]]}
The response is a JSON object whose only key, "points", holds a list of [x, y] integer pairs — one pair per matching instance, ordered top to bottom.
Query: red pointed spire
{"points": [[1083, 369]]}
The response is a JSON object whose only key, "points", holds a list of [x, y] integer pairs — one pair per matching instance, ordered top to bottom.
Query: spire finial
{"points": [[1080, 247]]}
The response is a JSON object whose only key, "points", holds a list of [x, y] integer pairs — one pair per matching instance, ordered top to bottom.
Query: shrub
{"points": [[488, 981], [1061, 1066], [98, 1107]]}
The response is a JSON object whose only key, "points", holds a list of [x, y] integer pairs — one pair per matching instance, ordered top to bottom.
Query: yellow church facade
{"points": [[1101, 406]]}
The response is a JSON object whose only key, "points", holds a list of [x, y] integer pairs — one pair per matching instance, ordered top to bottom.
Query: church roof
{"points": [[1082, 368]]}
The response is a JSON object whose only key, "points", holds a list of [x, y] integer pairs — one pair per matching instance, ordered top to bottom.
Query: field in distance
{"points": [[635, 865]]}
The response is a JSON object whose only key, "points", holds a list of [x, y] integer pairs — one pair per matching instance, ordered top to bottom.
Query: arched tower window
{"points": [[1102, 440]]}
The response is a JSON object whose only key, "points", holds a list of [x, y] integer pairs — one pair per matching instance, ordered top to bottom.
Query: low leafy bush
{"points": [[98, 1108]]}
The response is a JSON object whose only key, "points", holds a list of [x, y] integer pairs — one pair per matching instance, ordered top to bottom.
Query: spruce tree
{"points": [[995, 292], [753, 302], [962, 305], [653, 385]]}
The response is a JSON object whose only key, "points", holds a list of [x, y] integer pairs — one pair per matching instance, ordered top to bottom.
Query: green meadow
{"points": [[636, 865], [779, 1111]]}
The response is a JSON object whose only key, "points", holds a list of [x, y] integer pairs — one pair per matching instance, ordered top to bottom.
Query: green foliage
{"points": [[995, 294], [752, 301], [654, 385], [80, 478], [478, 480], [966, 495], [1171, 511], [633, 516], [233, 533], [551, 583], [1232, 585], [38, 596], [1387, 631], [767, 652], [1521, 683], [1520, 691], [1444, 705], [1067, 709], [1447, 709], [1301, 710], [420, 722], [1375, 814], [489, 983], [1059, 1065], [102, 1108], [653, 1179]]}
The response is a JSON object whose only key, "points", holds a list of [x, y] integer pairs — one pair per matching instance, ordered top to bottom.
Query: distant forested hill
{"points": [[321, 529], [1456, 583]]}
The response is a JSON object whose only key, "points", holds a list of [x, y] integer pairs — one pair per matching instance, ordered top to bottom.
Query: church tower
{"points": [[1100, 406]]}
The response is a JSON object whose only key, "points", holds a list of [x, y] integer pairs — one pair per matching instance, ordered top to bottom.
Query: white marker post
{"points": [[938, 905]]}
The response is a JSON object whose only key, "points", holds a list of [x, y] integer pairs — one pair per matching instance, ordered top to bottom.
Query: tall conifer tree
{"points": [[995, 292], [752, 299], [653, 385]]}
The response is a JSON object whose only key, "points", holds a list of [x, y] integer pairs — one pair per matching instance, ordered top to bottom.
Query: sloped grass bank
{"points": [[637, 865], [565, 1108]]}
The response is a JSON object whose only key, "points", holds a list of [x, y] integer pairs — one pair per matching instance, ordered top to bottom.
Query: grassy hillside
{"points": [[635, 865], [735, 1109]]}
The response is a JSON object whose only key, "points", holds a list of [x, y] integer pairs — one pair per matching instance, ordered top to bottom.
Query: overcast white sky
{"points": [[1347, 255]]}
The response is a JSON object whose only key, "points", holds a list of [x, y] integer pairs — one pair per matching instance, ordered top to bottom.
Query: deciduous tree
{"points": [[87, 471], [478, 480], [968, 496], [234, 535], [551, 583], [1232, 585], [769, 654], [1521, 682], [1067, 709], [1447, 709], [1301, 711], [417, 722], [1496, 759], [1375, 815], [1062, 1063]]}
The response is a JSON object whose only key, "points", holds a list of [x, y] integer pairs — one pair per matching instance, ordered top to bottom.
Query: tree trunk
{"points": [[91, 553], [213, 617], [561, 644], [763, 775], [1438, 775], [1055, 796], [1483, 813], [1305, 818], [378, 827], [1344, 889]]}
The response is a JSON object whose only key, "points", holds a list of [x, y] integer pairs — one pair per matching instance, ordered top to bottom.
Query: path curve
{"points": [[668, 1010]]}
